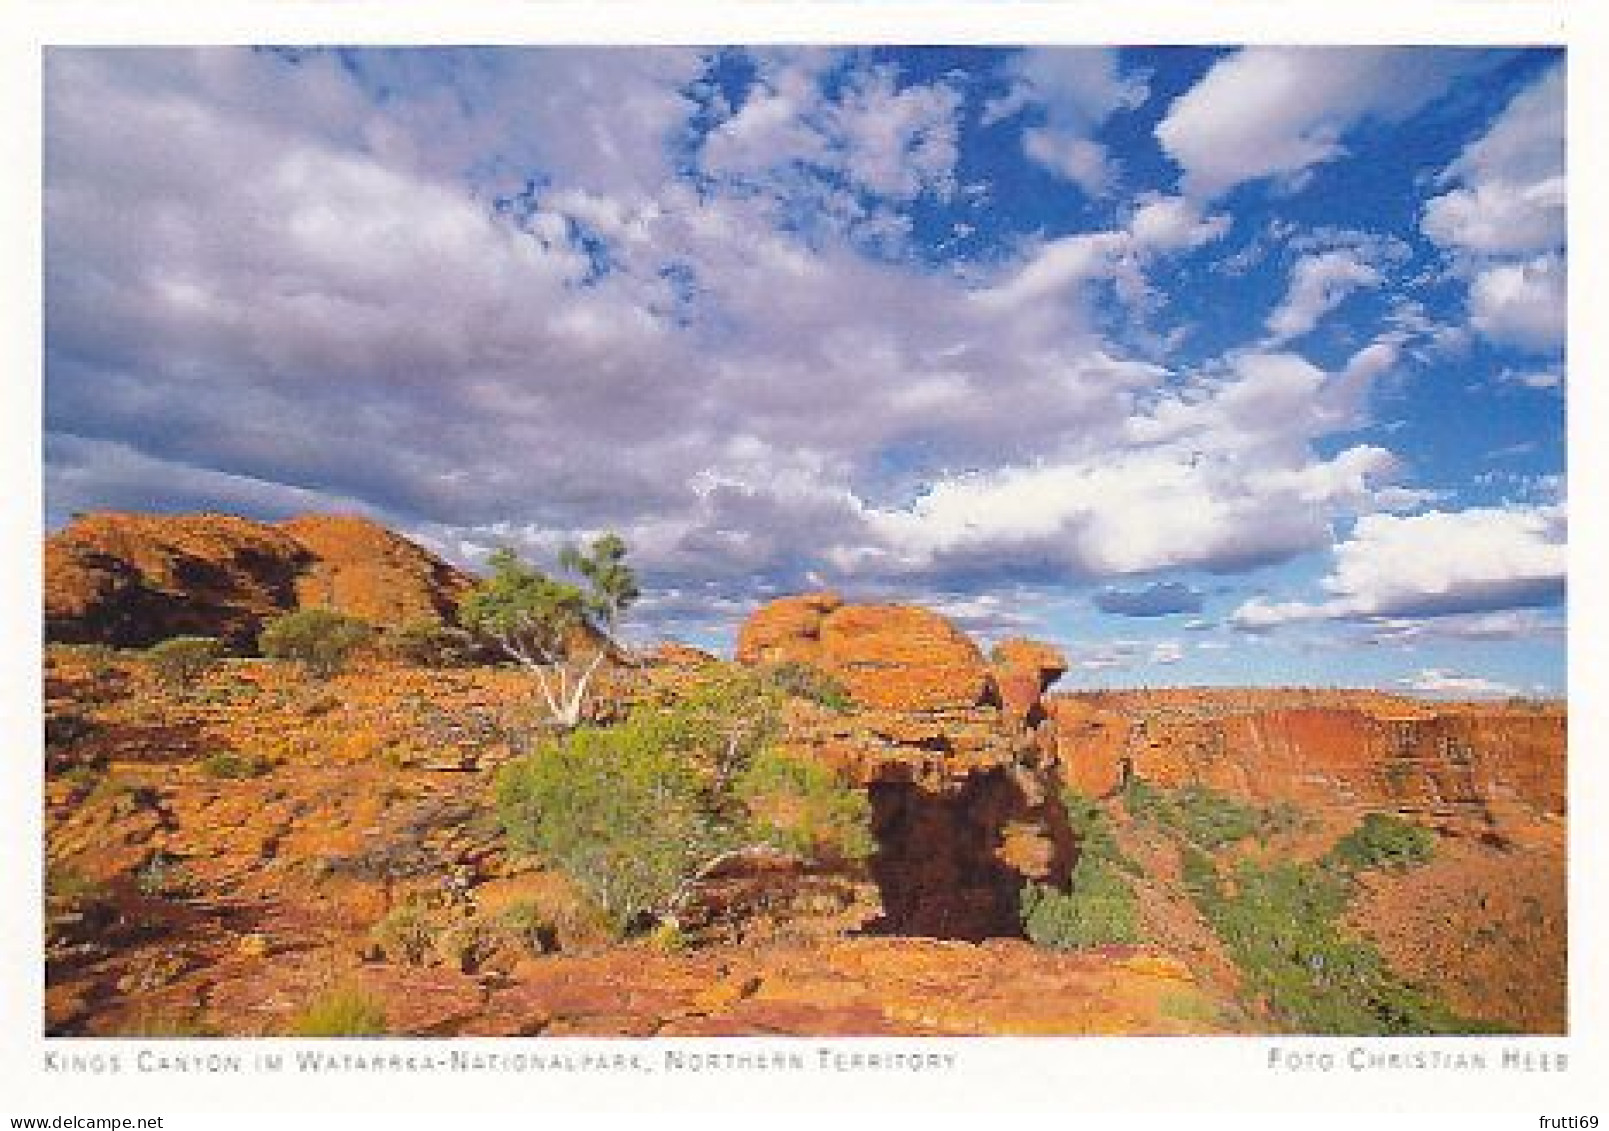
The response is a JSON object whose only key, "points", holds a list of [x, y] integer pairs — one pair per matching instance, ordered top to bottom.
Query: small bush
{"points": [[321, 640], [431, 644], [182, 660], [806, 681], [233, 764], [803, 807], [616, 810], [633, 812], [1207, 818], [1383, 841], [1098, 908], [530, 927], [407, 934], [466, 943], [345, 1011]]}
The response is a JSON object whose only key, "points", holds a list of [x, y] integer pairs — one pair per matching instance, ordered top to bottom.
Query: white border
{"points": [[1135, 1075]]}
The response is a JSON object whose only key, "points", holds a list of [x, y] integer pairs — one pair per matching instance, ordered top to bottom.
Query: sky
{"points": [[1212, 366]]}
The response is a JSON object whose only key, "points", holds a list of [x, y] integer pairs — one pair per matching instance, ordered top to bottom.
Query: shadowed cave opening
{"points": [[938, 867]]}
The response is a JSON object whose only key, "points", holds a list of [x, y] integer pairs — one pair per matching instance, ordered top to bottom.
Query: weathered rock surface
{"points": [[130, 580], [895, 657], [1023, 671], [1469, 765]]}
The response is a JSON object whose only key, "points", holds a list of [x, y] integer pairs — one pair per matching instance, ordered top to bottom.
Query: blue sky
{"points": [[1213, 366]]}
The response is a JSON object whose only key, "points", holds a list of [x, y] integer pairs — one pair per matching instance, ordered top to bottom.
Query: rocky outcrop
{"points": [[130, 580], [893, 657], [1023, 671], [1468, 765], [965, 801], [965, 811]]}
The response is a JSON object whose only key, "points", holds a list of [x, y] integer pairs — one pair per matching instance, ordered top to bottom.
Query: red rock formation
{"points": [[130, 580], [896, 657], [1023, 671], [1470, 764]]}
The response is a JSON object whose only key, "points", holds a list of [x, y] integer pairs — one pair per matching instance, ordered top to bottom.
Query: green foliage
{"points": [[611, 583], [531, 615], [555, 628], [321, 640], [431, 644], [181, 661], [806, 681], [233, 764], [802, 807], [617, 810], [633, 812], [1206, 817], [1383, 841], [1098, 908], [530, 926], [1282, 926], [407, 934], [465, 944], [344, 1011]]}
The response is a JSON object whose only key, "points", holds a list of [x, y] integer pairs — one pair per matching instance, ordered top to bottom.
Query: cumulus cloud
{"points": [[1075, 92], [1278, 111], [1504, 222], [1319, 283], [524, 300], [1521, 303], [1440, 563]]}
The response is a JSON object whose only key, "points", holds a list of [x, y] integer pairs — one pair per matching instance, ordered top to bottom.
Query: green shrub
{"points": [[321, 640], [431, 644], [181, 661], [806, 681], [233, 764], [804, 808], [616, 810], [632, 813], [1206, 817], [1383, 841], [1098, 907], [1281, 923], [530, 926], [407, 934], [464, 944], [345, 1011]]}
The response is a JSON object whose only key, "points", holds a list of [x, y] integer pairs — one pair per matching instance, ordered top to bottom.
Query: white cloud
{"points": [[1075, 91], [1279, 111], [791, 136], [1085, 163], [1499, 216], [1173, 223], [1504, 223], [1319, 283], [1521, 303], [1217, 476], [1433, 564], [1167, 652], [1439, 681]]}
